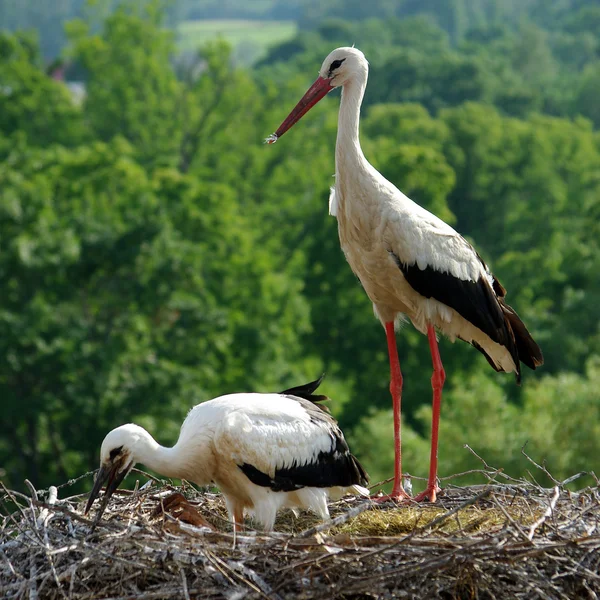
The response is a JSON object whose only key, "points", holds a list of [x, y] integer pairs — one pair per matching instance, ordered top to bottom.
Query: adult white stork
{"points": [[409, 261], [264, 451]]}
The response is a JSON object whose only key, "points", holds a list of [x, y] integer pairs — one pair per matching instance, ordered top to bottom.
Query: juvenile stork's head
{"points": [[342, 66], [119, 453]]}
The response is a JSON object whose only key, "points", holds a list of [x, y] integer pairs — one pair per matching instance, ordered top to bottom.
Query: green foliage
{"points": [[49, 18], [517, 55], [131, 88], [586, 101], [31, 103], [418, 160], [529, 189], [153, 253], [123, 300], [561, 420], [557, 425], [373, 441]]}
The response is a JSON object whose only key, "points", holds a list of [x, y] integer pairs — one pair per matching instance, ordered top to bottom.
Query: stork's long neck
{"points": [[349, 157], [176, 462]]}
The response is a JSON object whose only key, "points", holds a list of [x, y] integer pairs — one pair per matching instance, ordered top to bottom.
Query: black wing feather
{"points": [[473, 300], [480, 304], [530, 353], [334, 467]]}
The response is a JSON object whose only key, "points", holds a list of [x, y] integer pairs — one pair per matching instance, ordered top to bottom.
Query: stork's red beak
{"points": [[317, 91]]}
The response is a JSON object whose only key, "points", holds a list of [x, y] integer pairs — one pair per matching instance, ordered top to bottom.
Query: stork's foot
{"points": [[429, 494], [397, 496]]}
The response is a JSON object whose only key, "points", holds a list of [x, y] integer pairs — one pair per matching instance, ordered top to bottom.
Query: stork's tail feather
{"points": [[519, 343], [529, 352], [307, 390], [353, 481]]}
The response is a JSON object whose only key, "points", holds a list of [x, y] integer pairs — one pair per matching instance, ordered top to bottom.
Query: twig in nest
{"points": [[478, 457], [540, 467], [146, 474], [486, 474], [573, 478], [380, 483], [34, 497], [547, 513], [75, 516], [44, 517], [25, 520], [339, 520], [516, 526], [421, 529], [146, 561], [226, 568], [258, 580], [184, 584], [33, 593]]}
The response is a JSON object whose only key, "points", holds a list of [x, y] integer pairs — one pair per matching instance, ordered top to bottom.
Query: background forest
{"points": [[154, 253]]}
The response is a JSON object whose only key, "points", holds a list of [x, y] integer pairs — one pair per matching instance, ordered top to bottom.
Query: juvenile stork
{"points": [[409, 261], [264, 451]]}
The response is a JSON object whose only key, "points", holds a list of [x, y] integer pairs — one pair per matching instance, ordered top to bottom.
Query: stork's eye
{"points": [[336, 64], [115, 452]]}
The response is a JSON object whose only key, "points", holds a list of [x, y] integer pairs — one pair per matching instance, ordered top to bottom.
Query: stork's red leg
{"points": [[437, 383], [398, 492]]}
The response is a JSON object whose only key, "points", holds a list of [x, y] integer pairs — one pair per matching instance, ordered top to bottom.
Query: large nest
{"points": [[513, 539]]}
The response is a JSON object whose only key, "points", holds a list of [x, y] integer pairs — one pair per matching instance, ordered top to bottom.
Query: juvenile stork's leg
{"points": [[437, 383], [398, 492], [238, 519]]}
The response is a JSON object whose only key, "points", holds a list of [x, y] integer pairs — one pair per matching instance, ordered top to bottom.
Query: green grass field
{"points": [[249, 39]]}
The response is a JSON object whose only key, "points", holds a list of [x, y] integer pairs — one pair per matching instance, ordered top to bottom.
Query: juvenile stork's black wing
{"points": [[289, 443]]}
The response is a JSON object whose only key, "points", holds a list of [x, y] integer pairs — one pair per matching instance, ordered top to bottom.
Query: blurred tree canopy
{"points": [[154, 254]]}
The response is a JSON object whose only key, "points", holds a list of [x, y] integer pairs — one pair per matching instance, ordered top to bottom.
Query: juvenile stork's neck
{"points": [[349, 157], [176, 462]]}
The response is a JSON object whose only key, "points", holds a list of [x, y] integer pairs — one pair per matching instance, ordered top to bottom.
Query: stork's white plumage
{"points": [[409, 261], [264, 451]]}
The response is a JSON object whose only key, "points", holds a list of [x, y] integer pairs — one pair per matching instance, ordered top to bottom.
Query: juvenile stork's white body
{"points": [[409, 261], [264, 451]]}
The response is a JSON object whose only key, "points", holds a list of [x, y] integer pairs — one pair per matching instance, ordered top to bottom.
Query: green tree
{"points": [[132, 89], [586, 101], [31, 103], [408, 149], [526, 191], [154, 253], [124, 304], [557, 426]]}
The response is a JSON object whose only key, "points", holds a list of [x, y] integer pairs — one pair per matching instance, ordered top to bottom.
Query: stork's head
{"points": [[342, 66], [119, 453]]}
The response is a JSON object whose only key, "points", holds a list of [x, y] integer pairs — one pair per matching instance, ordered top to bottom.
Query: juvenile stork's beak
{"points": [[317, 91], [112, 477]]}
